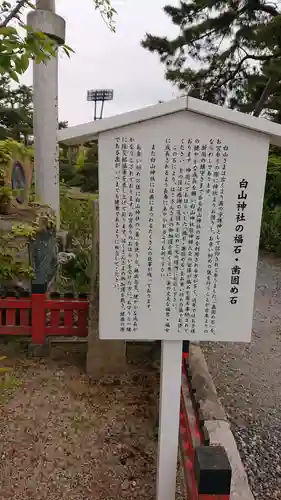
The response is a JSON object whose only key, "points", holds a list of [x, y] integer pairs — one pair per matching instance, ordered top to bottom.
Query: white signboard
{"points": [[180, 207]]}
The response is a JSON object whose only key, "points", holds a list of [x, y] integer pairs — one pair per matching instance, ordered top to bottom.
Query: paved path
{"points": [[248, 380]]}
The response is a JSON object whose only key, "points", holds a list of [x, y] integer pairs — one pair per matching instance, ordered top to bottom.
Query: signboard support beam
{"points": [[170, 387]]}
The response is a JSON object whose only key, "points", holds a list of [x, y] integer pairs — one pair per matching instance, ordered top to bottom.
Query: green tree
{"points": [[19, 43], [227, 52], [16, 111], [85, 174], [270, 239]]}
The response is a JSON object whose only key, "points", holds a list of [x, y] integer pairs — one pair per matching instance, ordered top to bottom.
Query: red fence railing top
{"points": [[39, 316]]}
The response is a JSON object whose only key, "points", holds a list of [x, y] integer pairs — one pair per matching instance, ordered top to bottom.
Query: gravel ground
{"points": [[248, 380], [65, 438]]}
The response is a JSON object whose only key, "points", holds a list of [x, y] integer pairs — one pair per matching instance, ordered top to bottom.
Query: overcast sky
{"points": [[111, 60]]}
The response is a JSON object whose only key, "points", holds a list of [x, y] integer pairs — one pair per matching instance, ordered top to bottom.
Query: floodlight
{"points": [[99, 95]]}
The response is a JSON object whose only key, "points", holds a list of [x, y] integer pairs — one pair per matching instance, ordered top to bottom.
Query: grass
{"points": [[9, 383], [79, 421]]}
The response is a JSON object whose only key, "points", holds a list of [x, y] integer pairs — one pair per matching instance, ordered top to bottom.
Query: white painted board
{"points": [[180, 208]]}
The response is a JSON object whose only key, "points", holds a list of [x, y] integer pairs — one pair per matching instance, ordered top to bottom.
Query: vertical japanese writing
{"points": [[218, 153], [167, 154], [210, 165], [127, 168], [219, 186], [151, 202], [171, 210], [117, 212], [191, 212], [180, 219], [177, 221], [130, 234], [172, 235], [216, 239], [211, 240], [238, 240], [166, 242], [192, 243], [186, 247], [136, 275], [123, 289]]}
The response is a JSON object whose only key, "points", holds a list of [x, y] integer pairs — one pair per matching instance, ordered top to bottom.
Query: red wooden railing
{"points": [[40, 316], [207, 472]]}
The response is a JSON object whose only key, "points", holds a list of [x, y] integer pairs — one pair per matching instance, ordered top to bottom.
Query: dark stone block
{"points": [[44, 256], [39, 288], [38, 350], [212, 470]]}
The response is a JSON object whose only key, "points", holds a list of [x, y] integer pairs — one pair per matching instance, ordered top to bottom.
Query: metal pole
{"points": [[101, 112], [95, 115]]}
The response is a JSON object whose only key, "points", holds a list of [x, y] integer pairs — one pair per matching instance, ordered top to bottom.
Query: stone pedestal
{"points": [[104, 357]]}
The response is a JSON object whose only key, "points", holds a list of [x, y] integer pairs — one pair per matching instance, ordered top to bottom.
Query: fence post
{"points": [[38, 319], [185, 348], [185, 354], [104, 357], [212, 473]]}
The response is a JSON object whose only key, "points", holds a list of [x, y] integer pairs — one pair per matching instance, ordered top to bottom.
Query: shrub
{"points": [[67, 172], [77, 218], [270, 239]]}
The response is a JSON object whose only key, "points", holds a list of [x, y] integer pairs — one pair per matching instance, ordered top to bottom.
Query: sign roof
{"points": [[86, 132]]}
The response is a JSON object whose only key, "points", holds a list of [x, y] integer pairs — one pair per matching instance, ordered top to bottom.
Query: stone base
{"points": [[38, 350], [140, 352], [105, 357]]}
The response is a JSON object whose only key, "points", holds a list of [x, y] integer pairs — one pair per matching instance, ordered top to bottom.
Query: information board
{"points": [[180, 208]]}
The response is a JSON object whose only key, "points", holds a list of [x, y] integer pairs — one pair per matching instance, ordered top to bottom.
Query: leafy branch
{"points": [[14, 13], [19, 43], [236, 48]]}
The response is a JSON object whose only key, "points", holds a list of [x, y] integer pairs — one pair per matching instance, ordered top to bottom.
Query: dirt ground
{"points": [[64, 437]]}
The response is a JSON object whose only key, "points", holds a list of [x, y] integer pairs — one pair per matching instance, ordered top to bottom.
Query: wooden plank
{"points": [[15, 330], [64, 330]]}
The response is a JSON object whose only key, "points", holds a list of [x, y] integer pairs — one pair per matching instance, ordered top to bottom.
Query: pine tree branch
{"points": [[269, 9], [14, 12], [240, 64], [264, 96]]}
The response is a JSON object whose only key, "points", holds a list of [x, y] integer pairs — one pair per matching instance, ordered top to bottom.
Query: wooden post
{"points": [[38, 315], [38, 346], [104, 357]]}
